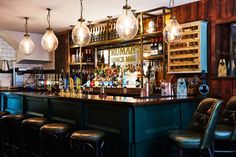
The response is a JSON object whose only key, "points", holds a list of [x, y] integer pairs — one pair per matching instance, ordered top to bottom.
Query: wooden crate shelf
{"points": [[190, 54]]}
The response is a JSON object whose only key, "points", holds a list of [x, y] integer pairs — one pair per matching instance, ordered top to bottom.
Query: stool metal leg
{"points": [[180, 152]]}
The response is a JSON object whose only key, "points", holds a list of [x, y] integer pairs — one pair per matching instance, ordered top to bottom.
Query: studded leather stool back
{"points": [[228, 117], [205, 119], [31, 136], [54, 139], [87, 142]]}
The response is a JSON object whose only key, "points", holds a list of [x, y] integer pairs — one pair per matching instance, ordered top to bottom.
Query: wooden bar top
{"points": [[112, 100]]}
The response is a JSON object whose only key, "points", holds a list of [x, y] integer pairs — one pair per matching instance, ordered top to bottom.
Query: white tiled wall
{"points": [[7, 52]]}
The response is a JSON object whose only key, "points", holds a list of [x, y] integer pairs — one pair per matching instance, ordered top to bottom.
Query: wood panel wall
{"points": [[213, 11]]}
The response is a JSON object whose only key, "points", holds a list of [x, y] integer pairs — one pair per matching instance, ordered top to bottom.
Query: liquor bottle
{"points": [[112, 31], [99, 33], [103, 33], [115, 33], [95, 34], [155, 47], [160, 47], [152, 48], [85, 56], [89, 57], [102, 58], [138, 71], [152, 72], [124, 79], [45, 81], [66, 81], [78, 81], [60, 82], [49, 83]]}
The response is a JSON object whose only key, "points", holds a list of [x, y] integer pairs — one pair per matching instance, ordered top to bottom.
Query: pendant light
{"points": [[127, 24], [172, 33], [81, 34], [49, 40], [26, 45]]}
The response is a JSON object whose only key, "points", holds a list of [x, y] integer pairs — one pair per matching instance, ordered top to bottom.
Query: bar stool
{"points": [[2, 113], [11, 131], [225, 133], [200, 135], [54, 139], [90, 139], [31, 144]]}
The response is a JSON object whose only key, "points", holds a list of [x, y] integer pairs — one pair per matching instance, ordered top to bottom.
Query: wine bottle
{"points": [[160, 47], [76, 56], [89, 57]]}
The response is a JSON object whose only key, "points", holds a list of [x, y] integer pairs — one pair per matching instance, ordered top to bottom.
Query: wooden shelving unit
{"points": [[110, 40], [190, 54]]}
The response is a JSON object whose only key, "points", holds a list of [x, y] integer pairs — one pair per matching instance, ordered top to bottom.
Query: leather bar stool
{"points": [[2, 113], [11, 129], [225, 133], [200, 135], [31, 136], [89, 139], [54, 140]]}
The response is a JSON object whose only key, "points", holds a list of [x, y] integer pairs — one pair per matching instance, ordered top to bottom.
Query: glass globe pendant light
{"points": [[127, 24], [172, 33], [81, 34], [49, 40], [26, 45]]}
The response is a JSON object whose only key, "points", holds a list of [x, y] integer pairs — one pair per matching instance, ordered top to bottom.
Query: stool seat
{"points": [[3, 113], [19, 117], [36, 121], [55, 128], [223, 132], [87, 135], [186, 138], [54, 139]]}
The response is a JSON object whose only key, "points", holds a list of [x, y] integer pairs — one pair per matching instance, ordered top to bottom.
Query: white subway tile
{"points": [[2, 46]]}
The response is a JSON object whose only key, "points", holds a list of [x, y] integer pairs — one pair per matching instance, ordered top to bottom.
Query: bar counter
{"points": [[134, 127]]}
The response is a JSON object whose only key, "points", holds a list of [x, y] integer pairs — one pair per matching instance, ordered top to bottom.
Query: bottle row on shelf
{"points": [[107, 30], [104, 32], [153, 49], [86, 56], [116, 76]]}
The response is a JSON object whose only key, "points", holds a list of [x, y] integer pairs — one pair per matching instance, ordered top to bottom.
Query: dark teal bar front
{"points": [[133, 127]]}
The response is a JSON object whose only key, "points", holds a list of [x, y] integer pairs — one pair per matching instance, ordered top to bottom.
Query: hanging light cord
{"points": [[126, 5], [171, 5], [81, 9], [48, 18], [26, 25]]}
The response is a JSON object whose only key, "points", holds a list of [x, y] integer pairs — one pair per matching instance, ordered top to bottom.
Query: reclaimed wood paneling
{"points": [[226, 8], [187, 13], [226, 89], [216, 91]]}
